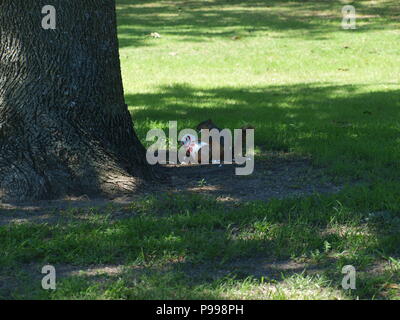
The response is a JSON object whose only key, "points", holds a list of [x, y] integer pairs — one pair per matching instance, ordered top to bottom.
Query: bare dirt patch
{"points": [[276, 175]]}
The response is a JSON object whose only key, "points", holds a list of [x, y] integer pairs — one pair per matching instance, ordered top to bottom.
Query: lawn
{"points": [[310, 88]]}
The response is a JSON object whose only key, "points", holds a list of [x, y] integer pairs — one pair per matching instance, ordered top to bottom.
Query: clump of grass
{"points": [[327, 231]]}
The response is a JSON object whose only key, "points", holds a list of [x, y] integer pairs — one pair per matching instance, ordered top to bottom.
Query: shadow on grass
{"points": [[204, 20], [343, 126], [182, 247]]}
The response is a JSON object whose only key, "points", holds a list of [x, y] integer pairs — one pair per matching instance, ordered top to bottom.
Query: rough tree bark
{"points": [[64, 126]]}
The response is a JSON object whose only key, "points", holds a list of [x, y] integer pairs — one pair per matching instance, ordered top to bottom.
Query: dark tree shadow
{"points": [[199, 21], [341, 125]]}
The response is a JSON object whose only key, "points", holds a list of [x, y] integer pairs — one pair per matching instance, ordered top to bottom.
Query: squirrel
{"points": [[209, 124], [192, 147]]}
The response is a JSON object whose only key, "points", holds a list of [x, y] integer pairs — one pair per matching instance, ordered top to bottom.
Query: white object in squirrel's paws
{"points": [[192, 146]]}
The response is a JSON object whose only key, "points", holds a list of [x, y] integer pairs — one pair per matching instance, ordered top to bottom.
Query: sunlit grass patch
{"points": [[177, 234]]}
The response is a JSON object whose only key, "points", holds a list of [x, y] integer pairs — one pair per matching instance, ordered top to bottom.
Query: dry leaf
{"points": [[155, 35], [392, 286]]}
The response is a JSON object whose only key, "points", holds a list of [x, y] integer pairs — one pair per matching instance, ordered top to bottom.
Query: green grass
{"points": [[284, 75], [307, 86], [171, 245]]}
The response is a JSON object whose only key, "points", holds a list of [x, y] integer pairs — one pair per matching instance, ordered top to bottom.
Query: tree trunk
{"points": [[64, 126]]}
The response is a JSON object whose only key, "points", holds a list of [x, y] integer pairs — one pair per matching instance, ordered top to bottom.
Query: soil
{"points": [[276, 175]]}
